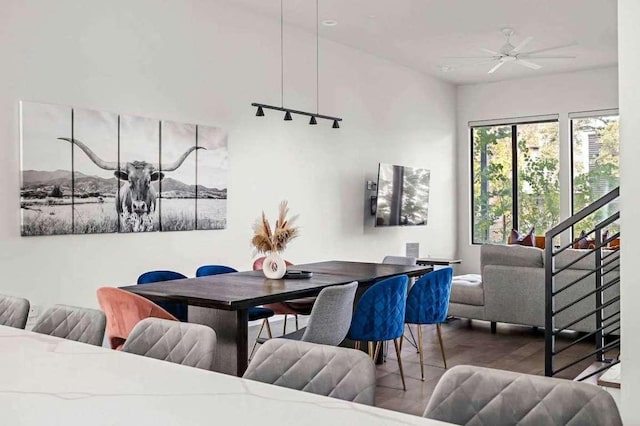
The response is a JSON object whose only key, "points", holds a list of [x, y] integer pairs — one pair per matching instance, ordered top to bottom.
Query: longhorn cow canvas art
{"points": [[86, 171]]}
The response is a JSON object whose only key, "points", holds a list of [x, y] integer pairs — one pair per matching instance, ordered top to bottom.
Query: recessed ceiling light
{"points": [[371, 16], [329, 23], [445, 68]]}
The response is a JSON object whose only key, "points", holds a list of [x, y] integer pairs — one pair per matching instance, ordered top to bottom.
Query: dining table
{"points": [[221, 301], [48, 380]]}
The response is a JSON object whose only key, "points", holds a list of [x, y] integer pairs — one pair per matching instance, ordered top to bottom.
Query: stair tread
{"points": [[611, 377]]}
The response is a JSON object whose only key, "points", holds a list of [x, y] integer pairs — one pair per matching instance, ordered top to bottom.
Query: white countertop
{"points": [[47, 380]]}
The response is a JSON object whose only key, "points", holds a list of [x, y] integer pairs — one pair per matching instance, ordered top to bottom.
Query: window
{"points": [[595, 148], [526, 154]]}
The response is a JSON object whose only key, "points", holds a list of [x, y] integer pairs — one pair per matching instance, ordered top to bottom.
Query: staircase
{"points": [[590, 297]]}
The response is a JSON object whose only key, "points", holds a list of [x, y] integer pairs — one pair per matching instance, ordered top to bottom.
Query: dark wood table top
{"points": [[437, 261], [361, 271], [241, 290]]}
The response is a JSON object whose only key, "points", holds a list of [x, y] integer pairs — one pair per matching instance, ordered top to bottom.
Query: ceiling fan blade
{"points": [[522, 45], [548, 49], [490, 52], [468, 57], [546, 57], [472, 64], [528, 64], [494, 69]]}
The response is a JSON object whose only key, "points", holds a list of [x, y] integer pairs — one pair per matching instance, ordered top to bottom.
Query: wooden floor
{"points": [[512, 348]]}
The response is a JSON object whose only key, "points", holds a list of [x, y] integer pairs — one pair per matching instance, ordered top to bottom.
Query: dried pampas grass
{"points": [[264, 240]]}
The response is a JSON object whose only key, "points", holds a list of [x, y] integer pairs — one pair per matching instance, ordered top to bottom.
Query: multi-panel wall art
{"points": [[88, 172]]}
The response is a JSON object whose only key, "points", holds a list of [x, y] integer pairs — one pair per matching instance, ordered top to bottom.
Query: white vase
{"points": [[274, 266]]}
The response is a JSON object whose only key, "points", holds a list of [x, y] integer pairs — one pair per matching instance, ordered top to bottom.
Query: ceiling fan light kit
{"points": [[509, 53], [288, 111]]}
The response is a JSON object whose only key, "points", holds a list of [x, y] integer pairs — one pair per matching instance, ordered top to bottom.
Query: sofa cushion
{"points": [[513, 255], [571, 255], [467, 290]]}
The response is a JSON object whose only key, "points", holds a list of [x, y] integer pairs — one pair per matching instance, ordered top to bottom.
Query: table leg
{"points": [[232, 332]]}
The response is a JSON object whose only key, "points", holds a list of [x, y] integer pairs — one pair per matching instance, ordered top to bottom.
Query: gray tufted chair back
{"points": [[399, 260], [14, 311], [331, 315], [69, 322], [178, 342], [340, 373], [468, 395]]}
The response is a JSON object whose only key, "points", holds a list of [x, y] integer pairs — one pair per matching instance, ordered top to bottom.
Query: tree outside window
{"points": [[596, 167], [499, 206]]}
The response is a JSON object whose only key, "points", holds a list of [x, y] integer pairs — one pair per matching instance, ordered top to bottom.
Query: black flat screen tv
{"points": [[402, 196]]}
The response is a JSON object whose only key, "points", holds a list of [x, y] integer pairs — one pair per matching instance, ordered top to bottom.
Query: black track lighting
{"points": [[288, 111], [288, 114]]}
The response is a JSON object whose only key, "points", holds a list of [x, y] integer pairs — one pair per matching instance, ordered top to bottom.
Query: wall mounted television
{"points": [[402, 196]]}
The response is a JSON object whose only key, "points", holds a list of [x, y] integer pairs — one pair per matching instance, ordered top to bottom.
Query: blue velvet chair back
{"points": [[207, 270], [158, 276], [428, 300], [178, 310], [380, 313]]}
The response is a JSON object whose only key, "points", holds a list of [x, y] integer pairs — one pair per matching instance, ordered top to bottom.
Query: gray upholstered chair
{"points": [[399, 260], [14, 311], [330, 317], [69, 322], [178, 342], [340, 373], [468, 395]]}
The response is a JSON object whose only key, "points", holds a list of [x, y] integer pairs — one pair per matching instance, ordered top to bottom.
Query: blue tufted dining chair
{"points": [[207, 270], [428, 303], [177, 309], [254, 313], [379, 316]]}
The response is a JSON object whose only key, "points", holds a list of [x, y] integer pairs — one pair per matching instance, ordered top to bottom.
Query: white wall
{"points": [[628, 48], [204, 62], [554, 94]]}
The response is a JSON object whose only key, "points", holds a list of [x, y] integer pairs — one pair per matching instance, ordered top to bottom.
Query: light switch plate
{"points": [[413, 250]]}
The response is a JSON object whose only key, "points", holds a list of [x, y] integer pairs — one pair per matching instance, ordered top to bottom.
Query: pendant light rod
{"points": [[281, 54], [317, 57], [288, 111], [295, 111]]}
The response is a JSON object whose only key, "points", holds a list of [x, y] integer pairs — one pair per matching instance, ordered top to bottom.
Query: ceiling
{"points": [[422, 33]]}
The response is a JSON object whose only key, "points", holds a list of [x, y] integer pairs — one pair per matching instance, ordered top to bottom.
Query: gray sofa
{"points": [[512, 288]]}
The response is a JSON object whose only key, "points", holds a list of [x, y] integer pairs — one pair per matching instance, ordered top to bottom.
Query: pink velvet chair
{"points": [[290, 307], [124, 310]]}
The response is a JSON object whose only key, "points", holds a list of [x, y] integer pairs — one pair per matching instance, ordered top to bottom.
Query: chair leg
{"points": [[296, 315], [266, 321], [494, 327], [284, 328], [401, 341], [414, 343], [255, 344], [357, 345], [397, 345], [441, 345], [371, 350], [377, 351], [420, 351]]}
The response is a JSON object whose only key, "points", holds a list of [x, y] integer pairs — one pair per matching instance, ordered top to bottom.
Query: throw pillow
{"points": [[517, 238], [584, 242]]}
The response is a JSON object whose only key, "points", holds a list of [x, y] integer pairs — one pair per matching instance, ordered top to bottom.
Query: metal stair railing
{"points": [[606, 259]]}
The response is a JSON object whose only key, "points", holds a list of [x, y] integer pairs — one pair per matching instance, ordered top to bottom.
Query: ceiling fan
{"points": [[509, 53]]}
